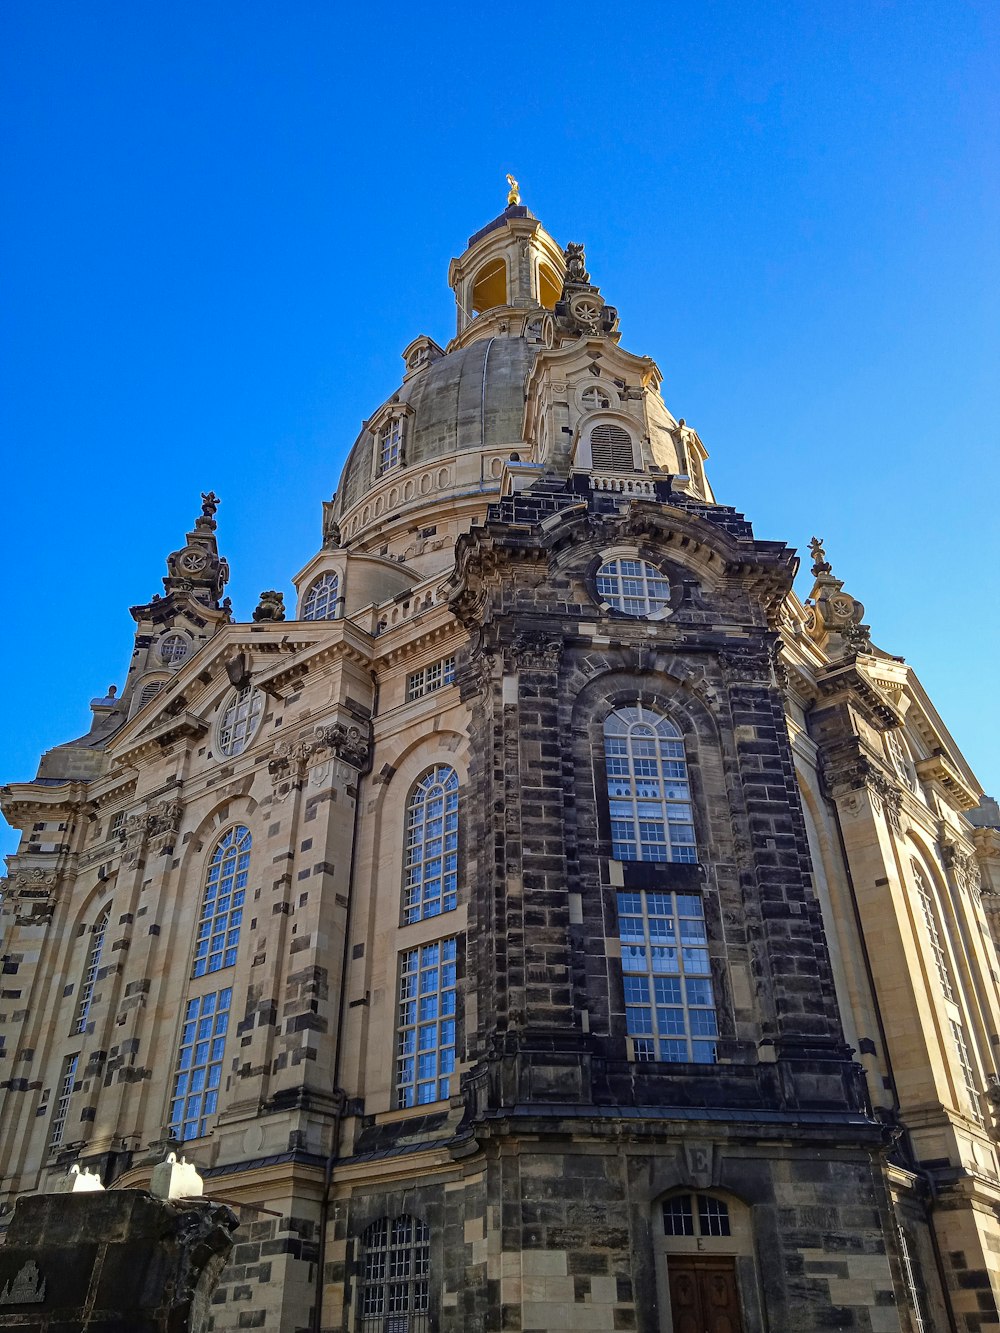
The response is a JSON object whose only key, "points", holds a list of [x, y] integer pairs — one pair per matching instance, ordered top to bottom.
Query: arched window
{"points": [[549, 287], [489, 288], [611, 448], [634, 587], [321, 599], [240, 720], [648, 789], [430, 878], [222, 907], [90, 971], [704, 1248], [395, 1271]]}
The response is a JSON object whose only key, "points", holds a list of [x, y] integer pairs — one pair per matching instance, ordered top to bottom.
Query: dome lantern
{"points": [[510, 264]]}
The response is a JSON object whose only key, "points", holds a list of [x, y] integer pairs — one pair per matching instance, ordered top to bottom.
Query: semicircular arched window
{"points": [[633, 586], [321, 599], [648, 789], [430, 875], [218, 936]]}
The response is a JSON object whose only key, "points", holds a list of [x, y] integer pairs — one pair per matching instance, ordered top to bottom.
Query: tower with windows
{"points": [[553, 922]]}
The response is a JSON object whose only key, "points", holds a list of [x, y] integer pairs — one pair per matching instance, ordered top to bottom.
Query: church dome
{"points": [[468, 399]]}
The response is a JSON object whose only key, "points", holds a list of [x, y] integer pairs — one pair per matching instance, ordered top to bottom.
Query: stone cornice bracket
{"points": [[534, 652], [845, 681], [350, 742], [938, 769], [848, 777], [962, 863]]}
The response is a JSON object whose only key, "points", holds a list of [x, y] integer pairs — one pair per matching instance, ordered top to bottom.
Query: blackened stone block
{"points": [[118, 1262]]}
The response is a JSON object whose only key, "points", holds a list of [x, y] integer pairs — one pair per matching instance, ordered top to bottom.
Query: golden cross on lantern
{"points": [[513, 194]]}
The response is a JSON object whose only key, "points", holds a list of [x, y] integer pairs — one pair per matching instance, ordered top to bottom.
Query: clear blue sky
{"points": [[224, 220]]}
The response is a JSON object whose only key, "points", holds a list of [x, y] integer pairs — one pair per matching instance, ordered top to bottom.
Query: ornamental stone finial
{"points": [[820, 563]]}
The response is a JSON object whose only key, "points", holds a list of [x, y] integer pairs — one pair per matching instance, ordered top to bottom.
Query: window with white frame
{"points": [[390, 443], [611, 448], [634, 587], [321, 599], [174, 649], [430, 678], [240, 719], [899, 756], [649, 794], [117, 824], [430, 875], [929, 914], [218, 936], [90, 971], [669, 1000], [425, 1041], [199, 1064], [968, 1074], [60, 1110], [696, 1215], [395, 1273]]}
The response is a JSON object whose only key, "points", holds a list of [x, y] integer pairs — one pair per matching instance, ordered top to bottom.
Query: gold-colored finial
{"points": [[513, 194]]}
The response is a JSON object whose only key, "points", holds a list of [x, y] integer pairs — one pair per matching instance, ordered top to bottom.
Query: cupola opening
{"points": [[489, 287], [549, 287]]}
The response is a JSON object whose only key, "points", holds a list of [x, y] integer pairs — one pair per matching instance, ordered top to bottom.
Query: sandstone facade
{"points": [[549, 922]]}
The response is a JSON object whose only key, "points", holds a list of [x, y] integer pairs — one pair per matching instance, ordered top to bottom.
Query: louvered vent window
{"points": [[611, 449], [149, 693]]}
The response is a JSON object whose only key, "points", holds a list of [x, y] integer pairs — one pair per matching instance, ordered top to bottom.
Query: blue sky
{"points": [[224, 221]]}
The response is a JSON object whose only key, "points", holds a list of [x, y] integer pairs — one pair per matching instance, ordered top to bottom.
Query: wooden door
{"points": [[703, 1295]]}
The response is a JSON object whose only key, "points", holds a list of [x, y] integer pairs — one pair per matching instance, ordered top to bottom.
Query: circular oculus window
{"points": [[175, 649]]}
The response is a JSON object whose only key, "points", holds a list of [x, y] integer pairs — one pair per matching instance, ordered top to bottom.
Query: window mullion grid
{"points": [[90, 973], [669, 999], [425, 1058], [61, 1111]]}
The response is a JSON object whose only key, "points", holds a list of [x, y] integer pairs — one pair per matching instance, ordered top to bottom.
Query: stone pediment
{"points": [[272, 656]]}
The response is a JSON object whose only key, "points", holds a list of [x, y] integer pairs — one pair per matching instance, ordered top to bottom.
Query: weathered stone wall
{"points": [[114, 1262]]}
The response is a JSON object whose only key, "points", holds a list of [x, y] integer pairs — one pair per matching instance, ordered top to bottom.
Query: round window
{"points": [[634, 587], [174, 649], [240, 720]]}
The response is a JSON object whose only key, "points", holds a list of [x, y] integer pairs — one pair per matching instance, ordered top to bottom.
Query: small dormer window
{"points": [[390, 445], [611, 448], [174, 649]]}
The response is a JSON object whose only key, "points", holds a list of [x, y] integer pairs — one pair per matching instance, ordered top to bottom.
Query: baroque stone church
{"points": [[549, 922]]}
